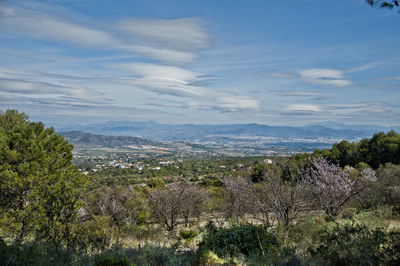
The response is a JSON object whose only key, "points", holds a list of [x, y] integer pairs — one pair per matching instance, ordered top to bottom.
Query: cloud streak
{"points": [[185, 33], [175, 34], [325, 77], [162, 79], [42, 88], [315, 95]]}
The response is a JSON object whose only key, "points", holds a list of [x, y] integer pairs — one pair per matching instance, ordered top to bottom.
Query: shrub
{"points": [[187, 236], [239, 240], [350, 244], [34, 253], [153, 255], [112, 258]]}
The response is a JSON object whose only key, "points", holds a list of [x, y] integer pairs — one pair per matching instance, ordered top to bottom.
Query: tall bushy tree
{"points": [[380, 149], [40, 188]]}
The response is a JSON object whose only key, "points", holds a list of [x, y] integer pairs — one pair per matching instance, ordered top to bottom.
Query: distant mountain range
{"points": [[220, 134], [88, 139], [84, 142]]}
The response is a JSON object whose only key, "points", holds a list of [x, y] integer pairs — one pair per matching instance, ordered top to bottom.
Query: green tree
{"points": [[381, 148], [345, 153], [258, 172], [40, 188]]}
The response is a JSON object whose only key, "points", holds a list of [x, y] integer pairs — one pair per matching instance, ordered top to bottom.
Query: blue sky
{"points": [[214, 62]]}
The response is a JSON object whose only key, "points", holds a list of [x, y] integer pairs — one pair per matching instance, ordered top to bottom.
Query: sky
{"points": [[202, 62]]}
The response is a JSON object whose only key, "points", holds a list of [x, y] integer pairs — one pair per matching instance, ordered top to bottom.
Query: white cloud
{"points": [[42, 25], [46, 26], [186, 33], [162, 54], [366, 67], [156, 70], [325, 77], [163, 79], [39, 88], [306, 93], [237, 103], [302, 108], [358, 108], [339, 110]]}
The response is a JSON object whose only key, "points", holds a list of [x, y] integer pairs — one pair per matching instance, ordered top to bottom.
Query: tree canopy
{"points": [[382, 148], [40, 188]]}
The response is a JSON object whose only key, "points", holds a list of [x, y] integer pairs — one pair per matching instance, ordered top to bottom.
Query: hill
{"points": [[89, 139]]}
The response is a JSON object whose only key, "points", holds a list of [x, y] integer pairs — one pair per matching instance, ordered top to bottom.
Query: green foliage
{"points": [[380, 149], [345, 153], [204, 171], [258, 172], [210, 181], [156, 183], [388, 185], [40, 189], [384, 192], [97, 233], [188, 234], [186, 237], [239, 240], [350, 244], [33, 254], [152, 255], [286, 256], [111, 258]]}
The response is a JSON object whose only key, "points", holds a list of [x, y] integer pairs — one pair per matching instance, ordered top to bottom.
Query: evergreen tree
{"points": [[40, 188]]}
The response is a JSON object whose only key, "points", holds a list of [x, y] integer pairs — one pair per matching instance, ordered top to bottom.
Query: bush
{"points": [[187, 236], [239, 240], [350, 244], [32, 254], [150, 255], [286, 256], [112, 258]]}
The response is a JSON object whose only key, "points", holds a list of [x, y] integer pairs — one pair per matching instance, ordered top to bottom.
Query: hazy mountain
{"points": [[365, 128], [220, 133], [88, 139]]}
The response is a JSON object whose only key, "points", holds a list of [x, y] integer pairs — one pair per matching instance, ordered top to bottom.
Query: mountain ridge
{"points": [[157, 132]]}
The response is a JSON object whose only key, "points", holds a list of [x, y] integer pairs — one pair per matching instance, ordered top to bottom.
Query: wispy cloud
{"points": [[43, 25], [169, 33], [186, 33], [162, 54], [57, 61], [366, 66], [278, 74], [318, 76], [325, 77], [392, 78], [162, 79], [42, 88], [316, 95], [221, 102], [237, 103], [302, 108], [364, 109]]}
